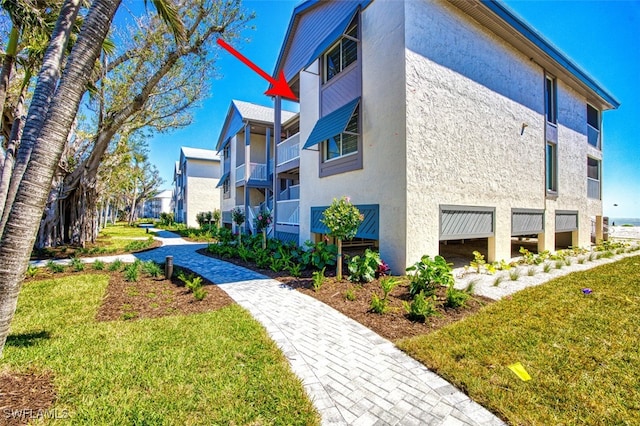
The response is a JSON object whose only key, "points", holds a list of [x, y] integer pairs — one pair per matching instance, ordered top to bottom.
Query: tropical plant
{"points": [[237, 215], [343, 219], [320, 254], [77, 264], [98, 265], [152, 268], [363, 268], [428, 274], [317, 278], [421, 307]]}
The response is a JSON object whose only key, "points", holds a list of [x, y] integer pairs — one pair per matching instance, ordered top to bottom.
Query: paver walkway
{"points": [[353, 376]]}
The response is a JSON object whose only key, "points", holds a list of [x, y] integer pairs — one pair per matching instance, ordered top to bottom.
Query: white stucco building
{"points": [[443, 120], [195, 177], [161, 203]]}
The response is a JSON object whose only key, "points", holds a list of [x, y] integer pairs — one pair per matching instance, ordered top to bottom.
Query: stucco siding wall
{"points": [[468, 96], [382, 179], [202, 196]]}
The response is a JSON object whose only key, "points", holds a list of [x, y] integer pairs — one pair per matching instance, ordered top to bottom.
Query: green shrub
{"points": [[167, 219], [343, 219], [138, 245], [319, 255], [77, 264], [98, 265], [116, 265], [54, 267], [363, 268], [152, 269], [295, 269], [32, 270], [131, 272], [428, 274], [514, 275], [318, 279], [194, 284], [350, 294], [456, 298], [378, 305], [421, 307]]}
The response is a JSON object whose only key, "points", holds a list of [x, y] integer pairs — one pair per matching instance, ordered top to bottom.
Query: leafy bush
{"points": [[342, 218], [167, 219], [207, 219], [137, 245], [320, 254], [77, 264], [98, 265], [116, 265], [54, 267], [363, 268], [152, 269], [295, 269], [383, 269], [32, 270], [131, 272], [428, 274], [318, 279], [194, 284], [350, 294], [456, 298], [379, 305], [421, 307]]}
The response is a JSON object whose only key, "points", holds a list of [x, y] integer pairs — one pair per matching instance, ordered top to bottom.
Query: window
{"points": [[342, 54], [551, 99], [593, 126], [344, 143], [226, 152], [552, 167], [593, 168], [226, 188]]}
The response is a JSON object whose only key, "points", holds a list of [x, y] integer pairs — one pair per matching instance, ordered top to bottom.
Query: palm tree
{"points": [[49, 122]]}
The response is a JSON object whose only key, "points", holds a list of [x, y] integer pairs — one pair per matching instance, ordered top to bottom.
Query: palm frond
{"points": [[168, 11]]}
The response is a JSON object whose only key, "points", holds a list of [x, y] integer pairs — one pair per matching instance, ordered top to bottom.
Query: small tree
{"points": [[238, 218], [343, 219], [262, 222]]}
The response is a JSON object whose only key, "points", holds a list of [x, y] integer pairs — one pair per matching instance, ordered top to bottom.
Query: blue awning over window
{"points": [[331, 124], [222, 179]]}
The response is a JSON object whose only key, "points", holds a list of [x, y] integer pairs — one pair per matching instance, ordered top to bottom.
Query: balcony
{"points": [[593, 136], [289, 149], [257, 171], [593, 189], [291, 193], [288, 212]]}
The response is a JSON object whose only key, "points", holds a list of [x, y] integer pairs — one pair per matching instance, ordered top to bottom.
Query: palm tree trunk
{"points": [[7, 66], [45, 87], [26, 211]]}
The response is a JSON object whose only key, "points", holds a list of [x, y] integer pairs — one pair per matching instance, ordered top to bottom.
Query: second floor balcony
{"points": [[289, 150], [256, 172]]}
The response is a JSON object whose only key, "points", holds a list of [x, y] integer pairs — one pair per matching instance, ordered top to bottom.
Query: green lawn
{"points": [[581, 351], [213, 368]]}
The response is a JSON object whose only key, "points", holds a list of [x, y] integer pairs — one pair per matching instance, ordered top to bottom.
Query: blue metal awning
{"points": [[334, 36], [331, 124], [222, 179]]}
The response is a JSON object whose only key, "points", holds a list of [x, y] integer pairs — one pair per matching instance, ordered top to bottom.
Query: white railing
{"points": [[593, 136], [289, 149], [257, 171], [593, 188], [288, 212]]}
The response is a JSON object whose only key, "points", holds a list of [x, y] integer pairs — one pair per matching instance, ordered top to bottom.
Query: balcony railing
{"points": [[593, 136], [289, 149], [257, 171], [593, 188], [291, 193], [288, 212]]}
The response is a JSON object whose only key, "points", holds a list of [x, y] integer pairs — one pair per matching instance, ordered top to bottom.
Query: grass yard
{"points": [[581, 350], [218, 367]]}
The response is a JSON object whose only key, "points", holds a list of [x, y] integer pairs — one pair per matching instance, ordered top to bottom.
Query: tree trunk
{"points": [[7, 66], [42, 95], [21, 227], [339, 261]]}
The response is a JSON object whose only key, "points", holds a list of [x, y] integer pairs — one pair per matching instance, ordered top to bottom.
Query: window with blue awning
{"points": [[332, 124]]}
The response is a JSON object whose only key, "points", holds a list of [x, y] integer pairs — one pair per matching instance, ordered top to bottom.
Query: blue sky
{"points": [[602, 37]]}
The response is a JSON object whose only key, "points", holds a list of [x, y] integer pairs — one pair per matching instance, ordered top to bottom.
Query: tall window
{"points": [[342, 54], [551, 99], [593, 126], [344, 143], [226, 152], [552, 167], [593, 168], [226, 188]]}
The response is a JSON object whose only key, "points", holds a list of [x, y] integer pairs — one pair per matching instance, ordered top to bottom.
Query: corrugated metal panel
{"points": [[316, 27], [347, 86], [332, 124], [232, 125], [222, 179], [566, 220], [459, 222], [526, 222], [369, 228], [287, 237]]}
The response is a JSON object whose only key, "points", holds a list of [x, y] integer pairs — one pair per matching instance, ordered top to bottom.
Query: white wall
{"points": [[382, 179], [201, 194]]}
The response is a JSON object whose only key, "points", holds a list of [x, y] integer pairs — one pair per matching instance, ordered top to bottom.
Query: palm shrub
{"points": [[343, 219], [77, 264], [152, 268], [363, 268], [131, 272], [427, 274]]}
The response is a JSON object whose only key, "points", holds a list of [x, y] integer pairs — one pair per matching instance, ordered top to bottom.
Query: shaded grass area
{"points": [[580, 350], [218, 367]]}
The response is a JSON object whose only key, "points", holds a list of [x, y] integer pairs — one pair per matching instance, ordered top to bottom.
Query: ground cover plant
{"points": [[575, 335], [169, 368]]}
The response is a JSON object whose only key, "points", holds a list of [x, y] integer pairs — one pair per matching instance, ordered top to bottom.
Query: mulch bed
{"points": [[392, 325], [25, 397]]}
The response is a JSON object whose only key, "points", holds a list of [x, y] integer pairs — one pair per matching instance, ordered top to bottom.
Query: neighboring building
{"points": [[443, 120], [246, 139], [195, 177], [161, 203]]}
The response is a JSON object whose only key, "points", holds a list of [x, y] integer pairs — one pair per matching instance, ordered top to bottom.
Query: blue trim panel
{"points": [[333, 37], [332, 124], [232, 125], [222, 179], [369, 228]]}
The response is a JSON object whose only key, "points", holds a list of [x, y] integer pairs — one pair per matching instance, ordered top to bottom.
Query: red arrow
{"points": [[280, 87]]}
